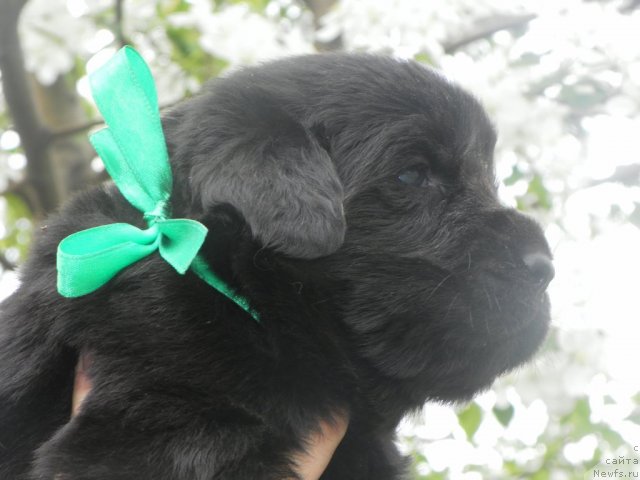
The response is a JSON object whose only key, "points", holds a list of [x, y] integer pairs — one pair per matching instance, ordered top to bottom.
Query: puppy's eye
{"points": [[417, 176]]}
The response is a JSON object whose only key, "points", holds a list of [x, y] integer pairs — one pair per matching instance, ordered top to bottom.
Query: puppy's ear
{"points": [[245, 151]]}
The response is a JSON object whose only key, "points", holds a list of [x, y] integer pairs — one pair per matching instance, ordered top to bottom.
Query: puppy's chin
{"points": [[446, 336], [489, 354], [456, 369]]}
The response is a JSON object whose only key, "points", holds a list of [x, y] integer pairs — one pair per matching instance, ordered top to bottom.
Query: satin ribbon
{"points": [[134, 152]]}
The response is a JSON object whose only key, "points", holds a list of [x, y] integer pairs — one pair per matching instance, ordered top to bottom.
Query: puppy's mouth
{"points": [[507, 304], [518, 331]]}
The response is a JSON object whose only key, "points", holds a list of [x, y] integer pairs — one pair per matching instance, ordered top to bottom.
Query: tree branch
{"points": [[630, 6], [320, 8], [118, 27], [485, 28], [15, 83], [76, 129]]}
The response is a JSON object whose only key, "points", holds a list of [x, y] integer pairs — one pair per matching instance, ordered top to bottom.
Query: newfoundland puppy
{"points": [[352, 200]]}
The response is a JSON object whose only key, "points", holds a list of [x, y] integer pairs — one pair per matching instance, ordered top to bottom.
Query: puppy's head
{"points": [[379, 174]]}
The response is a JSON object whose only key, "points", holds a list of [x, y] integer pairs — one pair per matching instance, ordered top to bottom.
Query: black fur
{"points": [[426, 296]]}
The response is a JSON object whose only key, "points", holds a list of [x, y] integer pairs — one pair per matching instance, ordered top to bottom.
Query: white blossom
{"points": [[52, 38], [259, 39]]}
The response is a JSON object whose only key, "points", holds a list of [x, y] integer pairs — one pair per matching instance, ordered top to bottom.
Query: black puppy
{"points": [[352, 200]]}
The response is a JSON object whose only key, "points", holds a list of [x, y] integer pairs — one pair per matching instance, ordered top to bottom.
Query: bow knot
{"points": [[161, 211]]}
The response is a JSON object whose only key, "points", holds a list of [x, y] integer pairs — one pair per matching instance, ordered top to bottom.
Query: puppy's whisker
{"points": [[438, 286], [455, 297], [321, 301], [489, 301], [497, 302], [471, 322], [486, 324]]}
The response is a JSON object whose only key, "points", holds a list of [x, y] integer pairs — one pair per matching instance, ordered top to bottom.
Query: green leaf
{"points": [[258, 6], [168, 7], [188, 54], [423, 57], [527, 59], [584, 95], [4, 119], [516, 174], [537, 196], [634, 218], [582, 409], [504, 414], [579, 416], [634, 418], [470, 419], [613, 438], [512, 468], [540, 475], [435, 476]]}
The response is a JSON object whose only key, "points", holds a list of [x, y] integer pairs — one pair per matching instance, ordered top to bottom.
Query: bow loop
{"points": [[126, 96], [90, 258]]}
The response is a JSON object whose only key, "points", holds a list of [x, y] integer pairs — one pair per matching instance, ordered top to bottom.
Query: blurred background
{"points": [[561, 80]]}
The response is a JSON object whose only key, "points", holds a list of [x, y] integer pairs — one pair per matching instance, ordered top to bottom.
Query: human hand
{"points": [[310, 464]]}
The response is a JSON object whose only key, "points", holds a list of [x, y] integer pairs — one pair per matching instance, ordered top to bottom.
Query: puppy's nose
{"points": [[540, 267]]}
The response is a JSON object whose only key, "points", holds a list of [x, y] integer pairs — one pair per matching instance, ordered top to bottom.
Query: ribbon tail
{"points": [[181, 241], [201, 268]]}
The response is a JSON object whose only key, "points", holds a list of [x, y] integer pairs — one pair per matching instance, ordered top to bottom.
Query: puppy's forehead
{"points": [[359, 97], [384, 110], [421, 115]]}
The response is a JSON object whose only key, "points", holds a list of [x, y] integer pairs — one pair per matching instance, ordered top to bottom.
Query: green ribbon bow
{"points": [[134, 152]]}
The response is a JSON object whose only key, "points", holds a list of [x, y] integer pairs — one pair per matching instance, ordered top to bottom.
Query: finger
{"points": [[82, 384], [322, 445]]}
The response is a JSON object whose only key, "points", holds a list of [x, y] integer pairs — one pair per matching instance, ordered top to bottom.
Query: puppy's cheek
{"points": [[401, 325], [398, 350]]}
